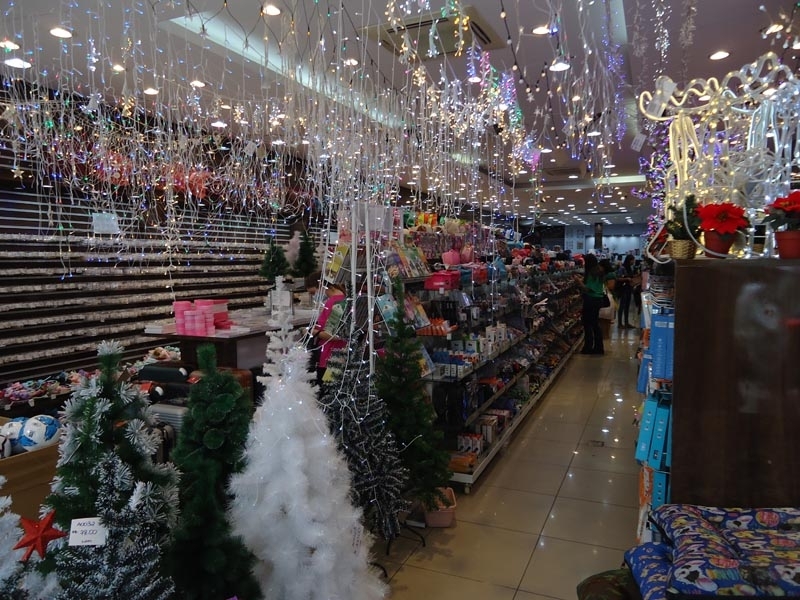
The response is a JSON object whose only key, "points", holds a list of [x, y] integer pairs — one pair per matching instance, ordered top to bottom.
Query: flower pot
{"points": [[718, 243], [788, 243], [683, 249], [445, 516]]}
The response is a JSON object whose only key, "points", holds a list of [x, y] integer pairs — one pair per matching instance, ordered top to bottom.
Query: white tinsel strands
{"points": [[292, 503]]}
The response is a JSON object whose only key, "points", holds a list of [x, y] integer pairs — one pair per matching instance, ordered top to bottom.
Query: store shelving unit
{"points": [[486, 458]]}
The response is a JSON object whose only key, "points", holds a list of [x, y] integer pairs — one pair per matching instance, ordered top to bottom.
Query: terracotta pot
{"points": [[719, 243], [788, 243], [682, 249]]}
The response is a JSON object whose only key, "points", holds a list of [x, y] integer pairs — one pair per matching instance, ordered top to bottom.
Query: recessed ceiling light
{"points": [[272, 10], [774, 28], [541, 30], [61, 32], [9, 45], [719, 55], [351, 62], [17, 63], [560, 63], [117, 68], [474, 79], [197, 83], [151, 91], [576, 98], [225, 106], [219, 124], [593, 133], [546, 150], [609, 166], [573, 176]]}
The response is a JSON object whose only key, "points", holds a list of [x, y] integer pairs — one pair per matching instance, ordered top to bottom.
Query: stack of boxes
{"points": [[201, 318]]}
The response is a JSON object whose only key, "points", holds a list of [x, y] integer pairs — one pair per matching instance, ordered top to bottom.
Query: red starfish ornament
{"points": [[38, 534]]}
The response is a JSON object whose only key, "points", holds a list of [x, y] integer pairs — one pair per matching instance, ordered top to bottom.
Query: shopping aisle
{"points": [[558, 505]]}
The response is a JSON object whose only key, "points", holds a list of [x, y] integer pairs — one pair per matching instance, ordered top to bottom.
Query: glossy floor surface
{"points": [[559, 504]]}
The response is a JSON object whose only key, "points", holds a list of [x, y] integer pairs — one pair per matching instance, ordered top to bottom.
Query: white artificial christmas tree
{"points": [[292, 503]]}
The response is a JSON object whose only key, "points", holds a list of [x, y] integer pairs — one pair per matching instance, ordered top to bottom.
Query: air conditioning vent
{"points": [[418, 31], [552, 174]]}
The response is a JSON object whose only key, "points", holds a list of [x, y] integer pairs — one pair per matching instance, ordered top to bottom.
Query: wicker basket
{"points": [[682, 249]]}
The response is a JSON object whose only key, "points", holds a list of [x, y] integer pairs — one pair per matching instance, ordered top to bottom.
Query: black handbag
{"points": [[605, 301]]}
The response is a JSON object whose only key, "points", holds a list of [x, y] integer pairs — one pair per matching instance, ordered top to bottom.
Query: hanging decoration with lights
{"points": [[730, 141]]}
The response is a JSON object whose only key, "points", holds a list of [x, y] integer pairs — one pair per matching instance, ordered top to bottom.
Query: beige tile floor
{"points": [[558, 505]]}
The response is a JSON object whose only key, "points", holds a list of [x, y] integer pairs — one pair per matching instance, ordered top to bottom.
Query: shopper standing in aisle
{"points": [[625, 283], [593, 291], [323, 338]]}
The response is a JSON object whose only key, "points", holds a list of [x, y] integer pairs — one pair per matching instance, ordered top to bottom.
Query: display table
{"points": [[244, 347]]}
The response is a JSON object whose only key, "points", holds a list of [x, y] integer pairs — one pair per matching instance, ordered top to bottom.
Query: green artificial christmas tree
{"points": [[306, 262], [274, 264], [398, 381], [107, 414], [207, 561]]}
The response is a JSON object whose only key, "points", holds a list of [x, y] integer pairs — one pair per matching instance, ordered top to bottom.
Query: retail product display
{"points": [[411, 416], [359, 422], [104, 470], [292, 504], [709, 551], [204, 558]]}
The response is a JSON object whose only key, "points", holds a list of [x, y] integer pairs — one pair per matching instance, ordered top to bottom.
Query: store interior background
{"points": [[206, 128]]}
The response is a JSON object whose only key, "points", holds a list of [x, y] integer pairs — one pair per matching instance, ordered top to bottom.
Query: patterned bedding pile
{"points": [[719, 552]]}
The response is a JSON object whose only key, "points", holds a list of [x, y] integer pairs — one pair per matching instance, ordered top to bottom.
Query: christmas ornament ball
{"points": [[12, 431], [39, 432]]}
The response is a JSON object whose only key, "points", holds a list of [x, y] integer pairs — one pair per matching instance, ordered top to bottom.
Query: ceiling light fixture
{"points": [[272, 10], [774, 28], [61, 32], [9, 45], [719, 55], [351, 62], [17, 63], [559, 64], [117, 68], [474, 79], [197, 83], [151, 91], [225, 106], [219, 124], [593, 133], [546, 150]]}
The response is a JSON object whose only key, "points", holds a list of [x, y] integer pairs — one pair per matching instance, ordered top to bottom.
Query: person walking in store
{"points": [[626, 277], [593, 292], [323, 336]]}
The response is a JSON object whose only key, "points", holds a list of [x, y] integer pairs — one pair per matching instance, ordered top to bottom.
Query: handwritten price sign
{"points": [[87, 532]]}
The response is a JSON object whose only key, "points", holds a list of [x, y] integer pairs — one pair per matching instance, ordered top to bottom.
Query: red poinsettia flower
{"points": [[785, 211], [722, 217]]}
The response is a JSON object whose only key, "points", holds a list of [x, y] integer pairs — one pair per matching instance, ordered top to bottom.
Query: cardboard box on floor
{"points": [[28, 476]]}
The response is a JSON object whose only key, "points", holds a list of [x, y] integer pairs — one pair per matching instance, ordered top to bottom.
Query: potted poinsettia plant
{"points": [[784, 217], [719, 222]]}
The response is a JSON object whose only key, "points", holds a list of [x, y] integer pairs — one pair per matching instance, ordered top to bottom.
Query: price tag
{"points": [[638, 142], [87, 532]]}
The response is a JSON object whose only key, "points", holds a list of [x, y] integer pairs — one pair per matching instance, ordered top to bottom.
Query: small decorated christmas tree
{"points": [[306, 262], [274, 264], [399, 383], [107, 414], [358, 421], [292, 502], [207, 561], [127, 564]]}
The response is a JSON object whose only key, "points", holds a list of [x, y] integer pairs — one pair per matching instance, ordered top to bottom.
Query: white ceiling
{"points": [[178, 38]]}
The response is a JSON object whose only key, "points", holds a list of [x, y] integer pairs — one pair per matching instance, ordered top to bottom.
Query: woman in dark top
{"points": [[625, 282], [593, 292]]}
